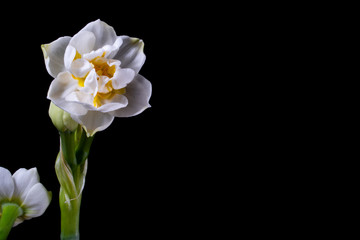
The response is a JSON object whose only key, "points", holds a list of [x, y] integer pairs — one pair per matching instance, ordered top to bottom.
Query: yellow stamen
{"points": [[102, 68]]}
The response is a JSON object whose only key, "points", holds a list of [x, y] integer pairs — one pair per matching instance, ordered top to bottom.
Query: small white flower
{"points": [[96, 76], [24, 189]]}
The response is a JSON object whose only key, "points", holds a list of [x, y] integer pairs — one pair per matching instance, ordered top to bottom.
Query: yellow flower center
{"points": [[102, 68]]}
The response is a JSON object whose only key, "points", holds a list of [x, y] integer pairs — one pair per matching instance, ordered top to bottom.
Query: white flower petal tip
{"points": [[44, 48], [54, 55], [96, 76], [24, 180], [24, 189]]}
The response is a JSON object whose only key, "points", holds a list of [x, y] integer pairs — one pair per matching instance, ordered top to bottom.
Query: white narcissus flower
{"points": [[97, 76], [24, 189]]}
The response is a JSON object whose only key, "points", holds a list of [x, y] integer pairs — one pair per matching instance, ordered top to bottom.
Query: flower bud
{"points": [[61, 119]]}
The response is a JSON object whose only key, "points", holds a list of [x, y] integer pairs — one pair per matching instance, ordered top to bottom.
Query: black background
{"points": [[141, 176]]}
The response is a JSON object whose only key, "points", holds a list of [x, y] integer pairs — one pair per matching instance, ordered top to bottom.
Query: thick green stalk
{"points": [[68, 144], [71, 167], [69, 201], [10, 211], [70, 216]]}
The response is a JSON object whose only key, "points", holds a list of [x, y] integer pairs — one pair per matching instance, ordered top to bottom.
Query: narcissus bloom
{"points": [[97, 76], [24, 189]]}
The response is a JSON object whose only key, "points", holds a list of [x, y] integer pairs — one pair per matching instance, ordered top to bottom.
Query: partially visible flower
{"points": [[97, 76], [24, 189]]}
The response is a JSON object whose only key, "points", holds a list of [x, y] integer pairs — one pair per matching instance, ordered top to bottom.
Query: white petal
{"points": [[104, 34], [83, 41], [111, 50], [107, 51], [131, 53], [93, 54], [54, 55], [69, 56], [80, 67], [122, 77], [103, 80], [91, 83], [60, 88], [138, 93], [85, 100], [108, 105], [94, 121], [24, 180], [6, 184], [36, 201], [18, 221]]}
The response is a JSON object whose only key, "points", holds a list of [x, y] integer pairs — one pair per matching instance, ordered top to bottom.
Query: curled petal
{"points": [[111, 50], [131, 53], [94, 54], [54, 55], [80, 67], [122, 77], [91, 83], [138, 93], [24, 180], [6, 184], [36, 201]]}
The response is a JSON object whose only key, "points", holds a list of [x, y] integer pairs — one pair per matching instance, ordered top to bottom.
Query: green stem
{"points": [[67, 140], [83, 149], [75, 150], [69, 201], [10, 211], [70, 216]]}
